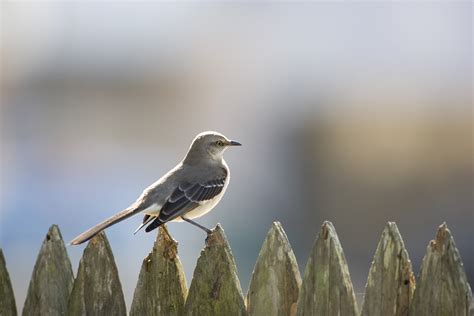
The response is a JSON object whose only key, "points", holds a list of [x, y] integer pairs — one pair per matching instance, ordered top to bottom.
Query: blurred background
{"points": [[354, 112]]}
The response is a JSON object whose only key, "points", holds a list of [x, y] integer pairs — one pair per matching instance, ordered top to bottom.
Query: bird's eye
{"points": [[219, 143]]}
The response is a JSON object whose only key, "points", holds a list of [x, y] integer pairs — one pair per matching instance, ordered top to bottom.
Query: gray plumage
{"points": [[189, 190]]}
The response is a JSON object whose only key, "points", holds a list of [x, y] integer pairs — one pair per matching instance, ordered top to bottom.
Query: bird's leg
{"points": [[207, 230]]}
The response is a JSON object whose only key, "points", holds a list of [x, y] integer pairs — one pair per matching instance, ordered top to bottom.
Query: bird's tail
{"points": [[146, 220], [85, 236]]}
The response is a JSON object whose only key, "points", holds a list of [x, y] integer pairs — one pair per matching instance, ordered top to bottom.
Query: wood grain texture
{"points": [[52, 278], [276, 280], [390, 284], [161, 287], [442, 287], [215, 288], [327, 288], [97, 289], [7, 298]]}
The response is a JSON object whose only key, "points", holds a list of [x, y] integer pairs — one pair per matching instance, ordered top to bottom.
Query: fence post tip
{"points": [[327, 229], [216, 237], [164, 240], [52, 267], [97, 267], [326, 276], [275, 282], [390, 283], [442, 285], [161, 286], [215, 288]]}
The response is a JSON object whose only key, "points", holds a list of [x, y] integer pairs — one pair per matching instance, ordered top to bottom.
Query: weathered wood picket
{"points": [[276, 287]]}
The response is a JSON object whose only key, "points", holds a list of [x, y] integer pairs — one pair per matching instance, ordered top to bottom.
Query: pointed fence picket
{"points": [[276, 271], [52, 278], [391, 283], [161, 287], [215, 287], [276, 287], [327, 287], [442, 287], [97, 289], [7, 299]]}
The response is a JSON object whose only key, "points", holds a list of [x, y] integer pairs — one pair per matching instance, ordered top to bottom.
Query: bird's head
{"points": [[209, 145]]}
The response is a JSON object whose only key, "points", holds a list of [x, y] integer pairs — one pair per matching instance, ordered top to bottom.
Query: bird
{"points": [[188, 191]]}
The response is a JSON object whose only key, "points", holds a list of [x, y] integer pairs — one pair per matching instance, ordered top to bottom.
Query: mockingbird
{"points": [[189, 190]]}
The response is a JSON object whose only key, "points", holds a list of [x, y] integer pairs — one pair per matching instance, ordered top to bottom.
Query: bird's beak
{"points": [[234, 143]]}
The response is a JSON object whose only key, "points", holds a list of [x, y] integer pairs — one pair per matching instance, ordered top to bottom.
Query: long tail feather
{"points": [[146, 220], [85, 236]]}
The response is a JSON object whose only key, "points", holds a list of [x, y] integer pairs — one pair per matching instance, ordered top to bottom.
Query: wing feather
{"points": [[186, 198]]}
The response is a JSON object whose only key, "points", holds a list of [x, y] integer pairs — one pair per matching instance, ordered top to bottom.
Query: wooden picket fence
{"points": [[276, 287]]}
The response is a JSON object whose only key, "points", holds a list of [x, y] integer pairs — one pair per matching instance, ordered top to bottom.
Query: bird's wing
{"points": [[185, 198]]}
